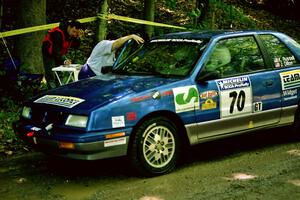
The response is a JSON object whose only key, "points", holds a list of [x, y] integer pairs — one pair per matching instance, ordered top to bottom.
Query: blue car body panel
{"points": [[116, 104]]}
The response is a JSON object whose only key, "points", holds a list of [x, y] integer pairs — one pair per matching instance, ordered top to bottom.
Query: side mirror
{"points": [[106, 69], [208, 75]]}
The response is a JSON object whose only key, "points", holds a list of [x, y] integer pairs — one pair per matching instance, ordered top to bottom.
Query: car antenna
{"points": [[10, 56]]}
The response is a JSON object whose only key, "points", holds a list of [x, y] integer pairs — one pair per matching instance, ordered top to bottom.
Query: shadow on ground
{"points": [[242, 143], [38, 163]]}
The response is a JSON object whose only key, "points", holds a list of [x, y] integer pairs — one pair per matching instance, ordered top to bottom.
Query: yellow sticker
{"points": [[209, 104], [251, 125]]}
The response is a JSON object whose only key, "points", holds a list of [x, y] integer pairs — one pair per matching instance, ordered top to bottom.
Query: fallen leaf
{"points": [[295, 152], [9, 153], [240, 176], [21, 180], [294, 182]]}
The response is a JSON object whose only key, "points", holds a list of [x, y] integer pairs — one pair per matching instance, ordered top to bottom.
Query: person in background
{"points": [[55, 46], [104, 54]]}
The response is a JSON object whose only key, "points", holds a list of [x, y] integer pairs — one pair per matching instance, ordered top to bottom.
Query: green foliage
{"points": [[171, 3], [224, 16], [79, 56], [11, 103], [9, 113]]}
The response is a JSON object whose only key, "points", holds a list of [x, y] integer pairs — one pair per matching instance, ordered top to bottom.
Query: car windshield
{"points": [[163, 57]]}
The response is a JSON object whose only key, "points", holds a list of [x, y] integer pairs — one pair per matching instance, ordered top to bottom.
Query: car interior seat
{"points": [[220, 57]]}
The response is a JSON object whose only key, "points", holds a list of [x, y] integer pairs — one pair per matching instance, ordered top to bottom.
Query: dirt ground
{"points": [[263, 165]]}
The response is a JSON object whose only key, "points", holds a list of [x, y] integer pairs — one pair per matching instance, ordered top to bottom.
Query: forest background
{"points": [[279, 15]]}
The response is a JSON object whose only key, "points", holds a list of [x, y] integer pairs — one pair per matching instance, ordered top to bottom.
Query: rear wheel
{"points": [[155, 147]]}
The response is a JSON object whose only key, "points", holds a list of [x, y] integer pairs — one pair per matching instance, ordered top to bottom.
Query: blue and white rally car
{"points": [[175, 90]]}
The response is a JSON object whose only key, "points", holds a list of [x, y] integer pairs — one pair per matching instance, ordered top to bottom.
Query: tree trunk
{"points": [[202, 6], [149, 10], [1, 13], [213, 16], [102, 24], [28, 46]]}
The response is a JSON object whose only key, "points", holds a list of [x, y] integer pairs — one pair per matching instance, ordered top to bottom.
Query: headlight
{"points": [[26, 112], [77, 121]]}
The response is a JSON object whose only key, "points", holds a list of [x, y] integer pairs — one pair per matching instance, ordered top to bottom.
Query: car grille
{"points": [[46, 117]]}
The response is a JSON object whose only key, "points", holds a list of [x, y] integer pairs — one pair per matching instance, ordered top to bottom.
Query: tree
{"points": [[202, 6], [149, 10], [1, 13], [102, 24], [28, 46]]}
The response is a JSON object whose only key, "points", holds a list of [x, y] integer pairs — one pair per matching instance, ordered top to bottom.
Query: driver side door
{"points": [[245, 96]]}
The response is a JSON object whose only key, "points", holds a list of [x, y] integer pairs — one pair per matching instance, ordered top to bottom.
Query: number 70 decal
{"points": [[235, 102]]}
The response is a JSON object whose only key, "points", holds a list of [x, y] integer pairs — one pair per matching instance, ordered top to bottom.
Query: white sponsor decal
{"points": [[177, 40], [288, 60], [232, 83], [289, 94], [235, 96], [186, 98], [64, 101], [118, 121], [115, 142]]}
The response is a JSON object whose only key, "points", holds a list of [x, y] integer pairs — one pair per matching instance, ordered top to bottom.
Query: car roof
{"points": [[207, 34]]}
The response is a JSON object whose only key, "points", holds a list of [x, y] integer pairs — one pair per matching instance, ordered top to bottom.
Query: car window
{"points": [[128, 48], [280, 54], [235, 56], [163, 58]]}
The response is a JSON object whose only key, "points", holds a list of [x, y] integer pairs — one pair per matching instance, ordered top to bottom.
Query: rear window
{"points": [[280, 54]]}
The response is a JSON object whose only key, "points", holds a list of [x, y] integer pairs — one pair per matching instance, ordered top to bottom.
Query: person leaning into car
{"points": [[55, 46], [104, 54]]}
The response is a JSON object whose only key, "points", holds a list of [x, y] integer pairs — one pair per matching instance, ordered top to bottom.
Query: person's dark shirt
{"points": [[57, 43]]}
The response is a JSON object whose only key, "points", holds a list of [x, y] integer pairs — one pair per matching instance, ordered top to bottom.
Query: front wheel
{"points": [[155, 147]]}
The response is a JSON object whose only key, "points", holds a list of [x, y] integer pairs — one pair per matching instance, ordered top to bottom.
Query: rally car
{"points": [[176, 90]]}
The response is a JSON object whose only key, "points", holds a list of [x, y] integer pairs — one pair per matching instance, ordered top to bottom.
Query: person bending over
{"points": [[104, 54]]}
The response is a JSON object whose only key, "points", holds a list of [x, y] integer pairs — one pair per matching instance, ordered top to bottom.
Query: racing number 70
{"points": [[240, 103]]}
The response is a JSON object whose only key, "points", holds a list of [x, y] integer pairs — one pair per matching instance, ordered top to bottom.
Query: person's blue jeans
{"points": [[85, 72]]}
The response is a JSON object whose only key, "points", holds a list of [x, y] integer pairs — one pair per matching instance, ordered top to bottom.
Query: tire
{"points": [[155, 147]]}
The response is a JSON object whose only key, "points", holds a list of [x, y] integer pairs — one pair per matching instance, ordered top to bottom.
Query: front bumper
{"points": [[83, 148]]}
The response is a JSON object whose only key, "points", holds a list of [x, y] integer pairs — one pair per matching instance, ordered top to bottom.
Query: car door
{"points": [[286, 66], [242, 93]]}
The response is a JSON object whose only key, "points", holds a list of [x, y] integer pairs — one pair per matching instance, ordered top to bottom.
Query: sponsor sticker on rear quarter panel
{"points": [[290, 79]]}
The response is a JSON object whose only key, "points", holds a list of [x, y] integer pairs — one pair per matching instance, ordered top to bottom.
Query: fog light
{"points": [[26, 112]]}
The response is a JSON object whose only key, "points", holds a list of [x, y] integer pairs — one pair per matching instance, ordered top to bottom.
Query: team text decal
{"points": [[290, 79]]}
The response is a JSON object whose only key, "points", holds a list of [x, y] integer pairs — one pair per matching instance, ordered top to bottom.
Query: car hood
{"points": [[101, 90]]}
